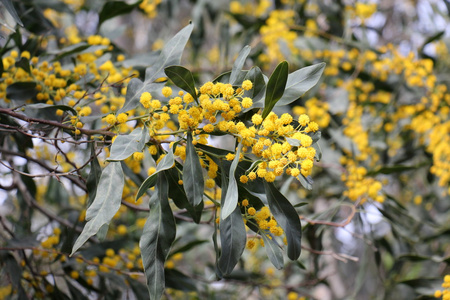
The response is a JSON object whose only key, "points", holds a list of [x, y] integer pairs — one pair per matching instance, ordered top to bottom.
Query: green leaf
{"points": [[10, 8], [112, 9], [69, 50], [169, 56], [23, 63], [238, 65], [224, 77], [256, 77], [183, 79], [301, 81], [275, 87], [134, 90], [21, 91], [50, 107], [125, 145], [318, 155], [166, 163], [392, 169], [93, 177], [193, 181], [306, 182], [56, 193], [178, 195], [231, 197], [105, 205], [287, 218], [232, 234], [157, 238], [233, 239], [188, 247], [274, 251], [177, 280]]}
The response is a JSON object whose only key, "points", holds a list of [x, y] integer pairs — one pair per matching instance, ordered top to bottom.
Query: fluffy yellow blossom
{"points": [[110, 119]]}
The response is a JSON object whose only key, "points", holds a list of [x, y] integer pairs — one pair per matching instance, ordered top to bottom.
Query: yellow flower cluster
{"points": [[150, 7], [277, 32], [281, 146], [359, 186], [265, 221], [445, 294]]}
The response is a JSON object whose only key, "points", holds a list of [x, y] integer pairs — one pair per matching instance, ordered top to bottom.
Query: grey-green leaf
{"points": [[12, 11], [170, 54], [238, 65], [257, 78], [183, 79], [301, 81], [275, 87], [125, 145], [166, 163], [93, 177], [193, 181], [231, 197], [105, 205], [287, 218], [157, 238], [233, 239], [274, 252]]}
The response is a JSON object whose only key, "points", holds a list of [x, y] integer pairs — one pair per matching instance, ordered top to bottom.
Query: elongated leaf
{"points": [[10, 8], [112, 9], [69, 50], [170, 55], [23, 63], [238, 65], [255, 75], [183, 79], [301, 81], [275, 87], [134, 90], [21, 91], [49, 107], [125, 145], [165, 164], [93, 177], [193, 181], [306, 182], [178, 195], [231, 197], [105, 204], [287, 218], [157, 238], [233, 239], [188, 246], [274, 252], [177, 280]]}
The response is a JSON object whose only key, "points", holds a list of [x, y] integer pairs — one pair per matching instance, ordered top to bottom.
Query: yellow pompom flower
{"points": [[247, 85], [166, 91], [145, 99], [247, 102], [122, 118], [110, 119], [257, 119], [138, 156], [251, 211]]}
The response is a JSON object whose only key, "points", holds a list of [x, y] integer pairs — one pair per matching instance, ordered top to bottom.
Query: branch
{"points": [[22, 117], [53, 171], [29, 199], [342, 224]]}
